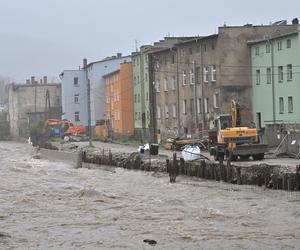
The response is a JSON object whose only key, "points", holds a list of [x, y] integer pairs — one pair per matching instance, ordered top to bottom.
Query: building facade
{"points": [[142, 71], [275, 79], [196, 80], [75, 87], [74, 96], [119, 101], [30, 102]]}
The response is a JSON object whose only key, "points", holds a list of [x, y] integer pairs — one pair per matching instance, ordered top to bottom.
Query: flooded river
{"points": [[50, 205]]}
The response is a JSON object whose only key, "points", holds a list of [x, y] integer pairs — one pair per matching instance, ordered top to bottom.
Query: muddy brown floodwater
{"points": [[50, 205]]}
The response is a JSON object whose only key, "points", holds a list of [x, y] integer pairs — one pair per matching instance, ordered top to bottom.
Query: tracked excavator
{"points": [[233, 141]]}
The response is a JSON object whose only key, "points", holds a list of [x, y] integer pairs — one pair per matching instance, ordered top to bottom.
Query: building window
{"points": [[288, 43], [279, 45], [268, 48], [198, 49], [191, 51], [257, 51], [182, 52], [173, 59], [289, 72], [213, 73], [280, 73], [205, 74], [269, 75], [257, 76], [184, 77], [192, 77], [134, 80], [76, 82], [173, 83], [165, 85], [157, 86], [76, 98], [135, 98], [139, 98], [216, 100], [290, 104], [205, 105], [281, 105], [184, 106], [192, 106], [199, 106], [174, 110], [166, 111], [158, 115], [76, 116], [135, 116]]}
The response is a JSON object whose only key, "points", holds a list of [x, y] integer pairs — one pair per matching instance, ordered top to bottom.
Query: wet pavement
{"points": [[51, 205]]}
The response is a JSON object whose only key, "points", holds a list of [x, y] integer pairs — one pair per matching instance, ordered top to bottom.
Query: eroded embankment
{"points": [[261, 174]]}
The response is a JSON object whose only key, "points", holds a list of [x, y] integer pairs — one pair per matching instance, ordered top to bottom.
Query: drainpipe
{"points": [[273, 82], [178, 92]]}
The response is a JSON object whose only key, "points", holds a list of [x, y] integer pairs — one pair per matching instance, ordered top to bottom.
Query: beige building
{"points": [[194, 81], [32, 102]]}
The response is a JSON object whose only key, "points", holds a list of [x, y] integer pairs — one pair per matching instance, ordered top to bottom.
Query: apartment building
{"points": [[275, 64], [142, 70], [195, 80], [75, 87], [119, 101]]}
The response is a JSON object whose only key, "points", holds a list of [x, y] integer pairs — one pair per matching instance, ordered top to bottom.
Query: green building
{"points": [[275, 69], [140, 74]]}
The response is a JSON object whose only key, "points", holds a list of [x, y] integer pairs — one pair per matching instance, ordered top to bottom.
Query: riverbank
{"points": [[273, 173]]}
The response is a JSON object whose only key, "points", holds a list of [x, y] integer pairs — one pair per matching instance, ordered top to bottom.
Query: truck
{"points": [[231, 140]]}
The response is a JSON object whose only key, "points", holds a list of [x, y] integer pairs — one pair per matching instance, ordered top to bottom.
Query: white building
{"points": [[74, 89]]}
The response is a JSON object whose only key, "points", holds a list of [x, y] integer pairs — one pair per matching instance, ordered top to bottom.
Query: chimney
{"points": [[295, 21], [119, 55], [84, 62], [32, 80], [27, 81], [45, 81]]}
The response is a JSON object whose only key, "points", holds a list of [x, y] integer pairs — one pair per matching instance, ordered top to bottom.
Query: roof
{"points": [[199, 38], [272, 38], [195, 39], [105, 60], [111, 73], [16, 86]]}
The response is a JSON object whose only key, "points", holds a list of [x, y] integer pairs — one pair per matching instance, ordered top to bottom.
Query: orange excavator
{"points": [[64, 127]]}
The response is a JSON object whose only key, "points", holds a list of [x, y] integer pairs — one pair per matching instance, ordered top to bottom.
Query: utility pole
{"points": [[195, 97], [151, 99], [89, 109]]}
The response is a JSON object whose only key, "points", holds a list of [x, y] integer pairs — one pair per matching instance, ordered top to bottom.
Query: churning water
{"points": [[50, 205]]}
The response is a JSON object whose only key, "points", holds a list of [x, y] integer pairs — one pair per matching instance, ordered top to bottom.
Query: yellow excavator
{"points": [[233, 141]]}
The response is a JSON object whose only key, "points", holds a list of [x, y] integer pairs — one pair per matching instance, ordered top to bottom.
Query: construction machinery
{"points": [[57, 127], [229, 139]]}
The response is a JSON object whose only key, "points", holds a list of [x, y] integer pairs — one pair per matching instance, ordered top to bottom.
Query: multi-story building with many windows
{"points": [[275, 71], [196, 80], [75, 85], [119, 101]]}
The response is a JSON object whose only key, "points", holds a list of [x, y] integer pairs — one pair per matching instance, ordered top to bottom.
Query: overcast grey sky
{"points": [[44, 37]]}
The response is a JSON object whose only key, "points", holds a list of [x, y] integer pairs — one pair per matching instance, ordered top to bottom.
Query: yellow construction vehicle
{"points": [[232, 140]]}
